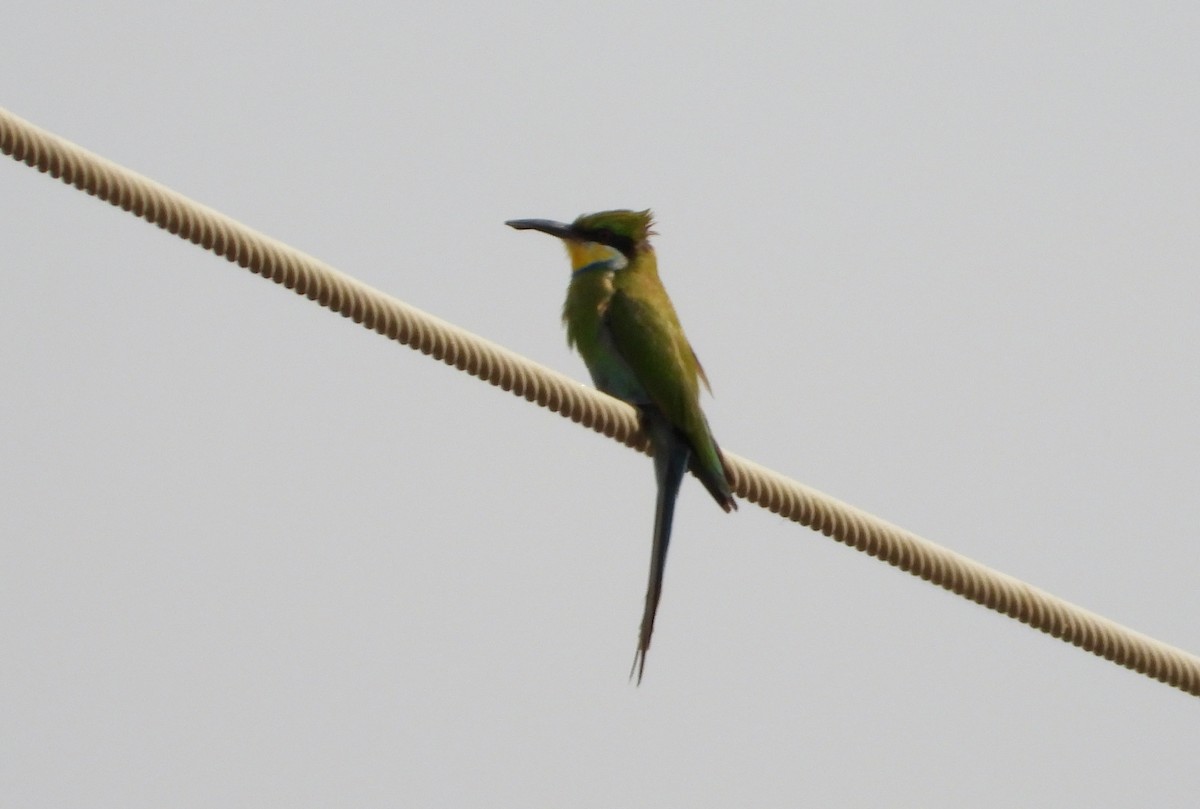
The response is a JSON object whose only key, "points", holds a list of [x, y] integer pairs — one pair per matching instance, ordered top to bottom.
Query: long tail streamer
{"points": [[392, 318]]}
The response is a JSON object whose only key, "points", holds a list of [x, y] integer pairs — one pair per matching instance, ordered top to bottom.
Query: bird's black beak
{"points": [[545, 226]]}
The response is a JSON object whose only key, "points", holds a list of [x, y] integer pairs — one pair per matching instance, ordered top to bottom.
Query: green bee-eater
{"points": [[619, 318]]}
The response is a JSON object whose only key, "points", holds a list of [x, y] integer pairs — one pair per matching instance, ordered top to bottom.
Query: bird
{"points": [[620, 319]]}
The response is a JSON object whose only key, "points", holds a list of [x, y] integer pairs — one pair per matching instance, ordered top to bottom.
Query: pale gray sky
{"points": [[939, 260]]}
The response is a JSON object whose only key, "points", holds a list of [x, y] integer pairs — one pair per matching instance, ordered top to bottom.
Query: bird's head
{"points": [[608, 240]]}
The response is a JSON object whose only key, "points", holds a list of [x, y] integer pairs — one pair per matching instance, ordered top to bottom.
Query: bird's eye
{"points": [[617, 241]]}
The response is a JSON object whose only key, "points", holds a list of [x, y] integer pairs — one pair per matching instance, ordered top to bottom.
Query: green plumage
{"points": [[620, 319]]}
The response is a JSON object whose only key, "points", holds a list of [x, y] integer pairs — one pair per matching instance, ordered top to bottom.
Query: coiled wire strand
{"points": [[499, 366]]}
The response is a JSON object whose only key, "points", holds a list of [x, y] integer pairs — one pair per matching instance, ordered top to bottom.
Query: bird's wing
{"points": [[651, 343], [700, 371]]}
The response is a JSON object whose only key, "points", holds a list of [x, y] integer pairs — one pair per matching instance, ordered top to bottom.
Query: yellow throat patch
{"points": [[584, 254]]}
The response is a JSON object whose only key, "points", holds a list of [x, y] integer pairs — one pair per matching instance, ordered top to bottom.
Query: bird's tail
{"points": [[671, 454]]}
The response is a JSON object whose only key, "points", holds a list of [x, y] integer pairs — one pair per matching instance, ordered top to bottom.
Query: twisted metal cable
{"points": [[499, 366]]}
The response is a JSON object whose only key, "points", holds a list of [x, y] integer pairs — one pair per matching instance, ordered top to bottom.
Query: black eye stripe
{"points": [[614, 240]]}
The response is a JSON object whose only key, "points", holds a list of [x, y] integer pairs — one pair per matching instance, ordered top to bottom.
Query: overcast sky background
{"points": [[939, 260]]}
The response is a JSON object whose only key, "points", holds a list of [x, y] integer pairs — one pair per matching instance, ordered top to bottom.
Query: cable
{"points": [[499, 366]]}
